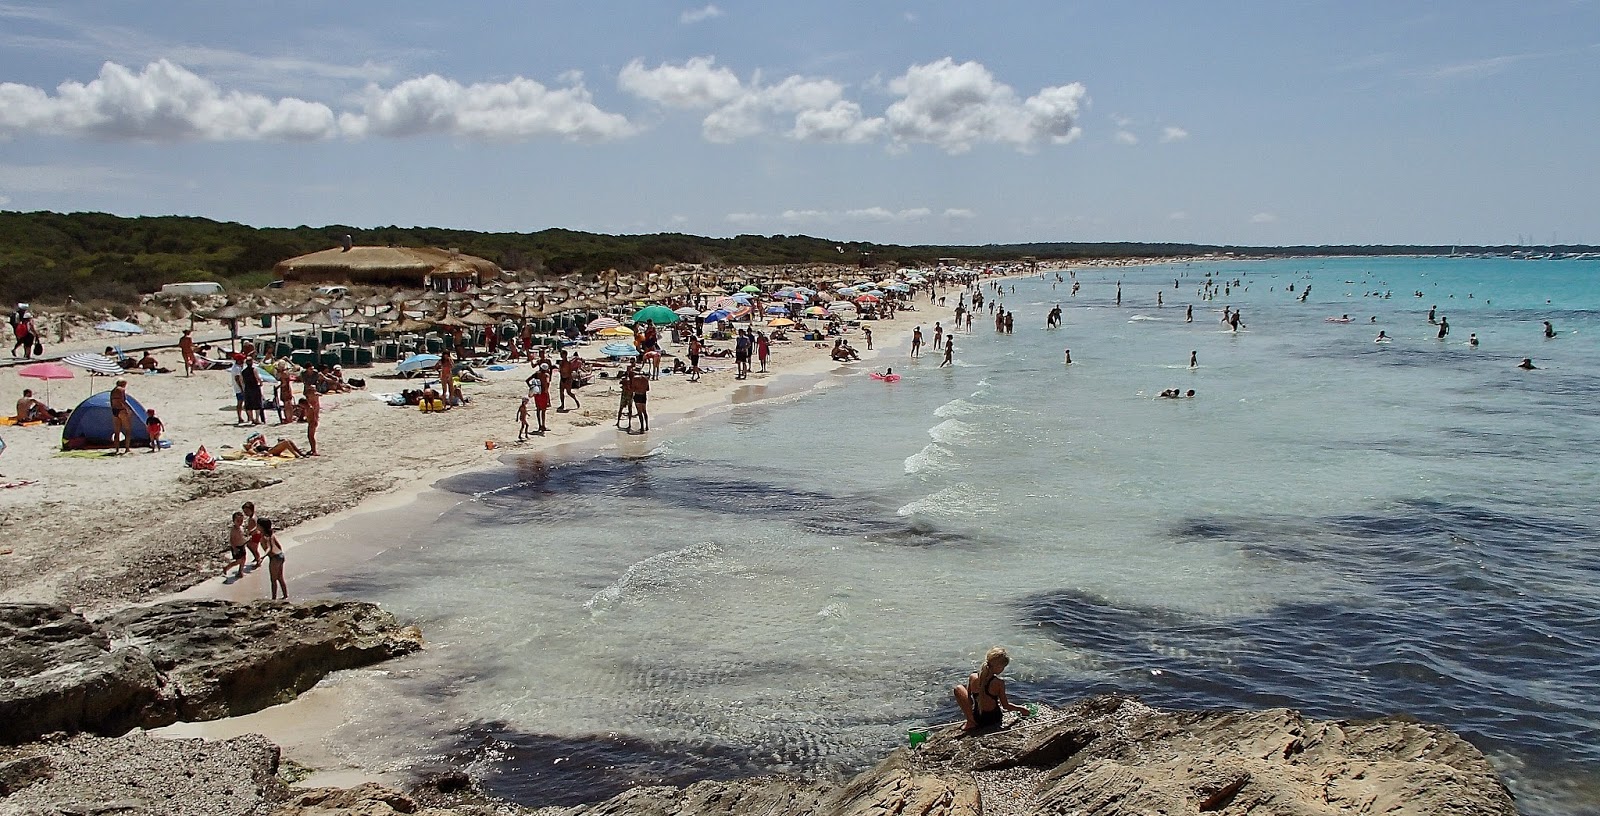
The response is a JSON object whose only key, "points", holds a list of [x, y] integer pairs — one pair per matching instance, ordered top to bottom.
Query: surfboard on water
{"points": [[1338, 320]]}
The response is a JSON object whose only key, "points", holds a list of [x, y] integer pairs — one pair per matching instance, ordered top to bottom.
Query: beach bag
{"points": [[38, 348], [202, 459]]}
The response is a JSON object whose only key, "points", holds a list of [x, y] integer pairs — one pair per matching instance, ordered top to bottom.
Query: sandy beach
{"points": [[98, 531]]}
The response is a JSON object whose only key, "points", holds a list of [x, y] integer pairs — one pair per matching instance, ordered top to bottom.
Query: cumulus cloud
{"points": [[690, 16], [697, 84], [163, 102], [166, 102], [952, 106], [958, 106], [517, 109], [737, 109], [1173, 134], [1124, 137], [959, 212], [1263, 218]]}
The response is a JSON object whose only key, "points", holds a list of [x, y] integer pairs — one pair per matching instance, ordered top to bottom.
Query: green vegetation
{"points": [[48, 257]]}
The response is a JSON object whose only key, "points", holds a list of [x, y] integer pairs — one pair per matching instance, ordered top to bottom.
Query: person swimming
{"points": [[1383, 337], [1527, 364]]}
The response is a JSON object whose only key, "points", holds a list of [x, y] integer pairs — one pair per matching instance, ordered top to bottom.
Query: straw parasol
{"points": [[386, 266]]}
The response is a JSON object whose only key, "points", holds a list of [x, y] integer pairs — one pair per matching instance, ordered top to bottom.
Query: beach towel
{"points": [[11, 420], [202, 459], [17, 483]]}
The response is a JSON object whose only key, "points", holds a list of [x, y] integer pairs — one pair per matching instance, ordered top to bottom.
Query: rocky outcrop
{"points": [[222, 659], [190, 660], [58, 672], [1113, 756], [139, 775]]}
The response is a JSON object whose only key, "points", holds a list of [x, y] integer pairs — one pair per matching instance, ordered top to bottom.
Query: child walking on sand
{"points": [[154, 427], [523, 430]]}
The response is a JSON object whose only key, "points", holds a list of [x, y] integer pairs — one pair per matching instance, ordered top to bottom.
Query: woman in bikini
{"points": [[274, 551], [983, 699]]}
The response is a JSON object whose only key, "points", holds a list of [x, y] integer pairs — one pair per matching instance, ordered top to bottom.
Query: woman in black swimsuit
{"points": [[274, 551], [983, 699]]}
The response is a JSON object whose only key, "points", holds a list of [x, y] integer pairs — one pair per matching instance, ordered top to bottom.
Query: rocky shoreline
{"points": [[66, 683]]}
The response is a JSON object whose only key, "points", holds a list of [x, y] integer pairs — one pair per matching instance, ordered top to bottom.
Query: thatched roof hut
{"points": [[413, 267]]}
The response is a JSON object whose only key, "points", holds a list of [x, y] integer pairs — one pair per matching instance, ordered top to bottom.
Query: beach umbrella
{"points": [[898, 287], [752, 289], [867, 299], [841, 306], [777, 310], [685, 311], [816, 311], [659, 315], [716, 315], [780, 321], [600, 323], [119, 327], [616, 331], [619, 350], [417, 362], [94, 363], [46, 372]]}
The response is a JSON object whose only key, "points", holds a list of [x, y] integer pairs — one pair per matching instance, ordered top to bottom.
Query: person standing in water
{"points": [[1431, 311], [1188, 314], [1444, 327], [1549, 330], [1473, 340], [916, 342], [949, 352], [1194, 359], [274, 551], [982, 698]]}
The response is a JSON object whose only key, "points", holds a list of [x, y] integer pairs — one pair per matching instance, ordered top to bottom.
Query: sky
{"points": [[893, 121]]}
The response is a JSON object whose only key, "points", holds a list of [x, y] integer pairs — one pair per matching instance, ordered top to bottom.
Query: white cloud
{"points": [[707, 12], [696, 84], [164, 102], [952, 106], [958, 106], [517, 109], [740, 110], [1120, 121], [840, 123], [1173, 134], [1124, 137], [4, 201], [959, 212], [881, 215], [1180, 215], [1263, 218]]}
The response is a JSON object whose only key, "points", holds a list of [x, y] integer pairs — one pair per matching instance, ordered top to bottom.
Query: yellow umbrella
{"points": [[780, 321], [616, 331]]}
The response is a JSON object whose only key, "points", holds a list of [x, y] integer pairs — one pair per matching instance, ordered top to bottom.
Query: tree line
{"points": [[49, 257]]}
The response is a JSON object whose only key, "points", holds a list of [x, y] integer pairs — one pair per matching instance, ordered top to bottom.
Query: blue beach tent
{"points": [[90, 424]]}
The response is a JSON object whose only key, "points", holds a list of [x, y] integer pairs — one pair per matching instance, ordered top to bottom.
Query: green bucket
{"points": [[917, 736]]}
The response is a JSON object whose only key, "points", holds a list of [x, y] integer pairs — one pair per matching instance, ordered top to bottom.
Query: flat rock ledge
{"points": [[151, 666], [1104, 756], [1115, 756]]}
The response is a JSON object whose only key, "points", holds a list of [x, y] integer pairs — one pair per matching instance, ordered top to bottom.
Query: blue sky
{"points": [[909, 122]]}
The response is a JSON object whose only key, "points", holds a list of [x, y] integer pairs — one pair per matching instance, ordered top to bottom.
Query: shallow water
{"points": [[1331, 524]]}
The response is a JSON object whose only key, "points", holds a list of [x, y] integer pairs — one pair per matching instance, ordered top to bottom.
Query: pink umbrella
{"points": [[46, 372]]}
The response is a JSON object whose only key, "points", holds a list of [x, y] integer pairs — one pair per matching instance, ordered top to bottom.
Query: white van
{"points": [[194, 289], [332, 291]]}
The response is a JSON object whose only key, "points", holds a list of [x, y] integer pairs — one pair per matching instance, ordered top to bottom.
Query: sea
{"points": [[1333, 524]]}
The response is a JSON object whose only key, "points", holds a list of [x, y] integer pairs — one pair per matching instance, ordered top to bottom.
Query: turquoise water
{"points": [[1332, 524]]}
